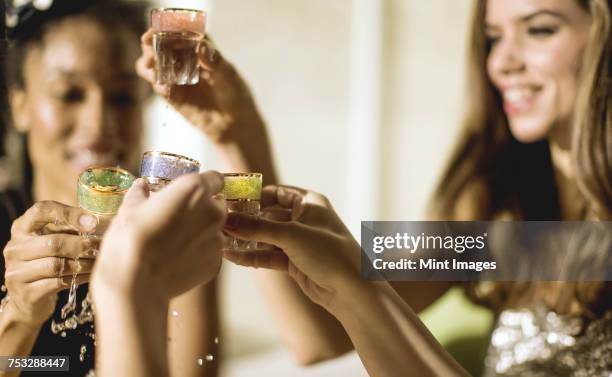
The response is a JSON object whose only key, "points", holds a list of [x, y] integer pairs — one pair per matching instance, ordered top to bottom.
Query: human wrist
{"points": [[121, 272], [133, 293], [350, 295], [141, 306], [120, 307], [12, 318], [136, 320]]}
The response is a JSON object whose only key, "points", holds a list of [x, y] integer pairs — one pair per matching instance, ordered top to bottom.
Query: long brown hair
{"points": [[491, 174]]}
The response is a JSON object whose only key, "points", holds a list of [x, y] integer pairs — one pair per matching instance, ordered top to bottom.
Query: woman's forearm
{"points": [[193, 332], [309, 332], [131, 335], [16, 338], [390, 338]]}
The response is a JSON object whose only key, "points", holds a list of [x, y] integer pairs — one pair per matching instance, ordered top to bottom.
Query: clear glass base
{"points": [[249, 207]]}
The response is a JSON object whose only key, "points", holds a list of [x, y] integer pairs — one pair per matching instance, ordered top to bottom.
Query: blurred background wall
{"points": [[363, 100]]}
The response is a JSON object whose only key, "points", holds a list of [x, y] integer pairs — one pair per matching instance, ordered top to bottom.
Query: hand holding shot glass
{"points": [[177, 35]]}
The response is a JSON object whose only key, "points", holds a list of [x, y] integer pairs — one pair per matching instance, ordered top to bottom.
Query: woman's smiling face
{"points": [[534, 60], [81, 104]]}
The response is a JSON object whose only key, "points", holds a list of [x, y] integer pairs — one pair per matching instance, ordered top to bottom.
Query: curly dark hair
{"points": [[32, 28]]}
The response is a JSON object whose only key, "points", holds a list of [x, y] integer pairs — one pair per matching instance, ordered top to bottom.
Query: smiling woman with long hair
{"points": [[555, 87], [537, 142], [537, 145]]}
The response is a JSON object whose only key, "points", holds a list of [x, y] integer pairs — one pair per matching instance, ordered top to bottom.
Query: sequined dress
{"points": [[538, 343]]}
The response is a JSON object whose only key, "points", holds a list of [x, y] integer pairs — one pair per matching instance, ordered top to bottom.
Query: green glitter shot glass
{"points": [[100, 191], [242, 192]]}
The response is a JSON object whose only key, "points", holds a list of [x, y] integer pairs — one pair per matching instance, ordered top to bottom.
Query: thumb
{"points": [[208, 54], [212, 61], [137, 194]]}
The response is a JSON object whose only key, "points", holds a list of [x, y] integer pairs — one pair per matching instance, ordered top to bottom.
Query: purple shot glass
{"points": [[160, 168]]}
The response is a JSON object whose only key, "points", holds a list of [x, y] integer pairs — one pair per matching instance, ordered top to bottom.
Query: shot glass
{"points": [[177, 34], [160, 168], [100, 191], [242, 192]]}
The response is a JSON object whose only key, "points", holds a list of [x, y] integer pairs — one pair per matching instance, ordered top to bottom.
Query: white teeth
{"points": [[518, 94], [91, 158]]}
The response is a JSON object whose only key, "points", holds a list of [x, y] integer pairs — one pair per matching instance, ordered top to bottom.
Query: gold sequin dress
{"points": [[539, 342]]}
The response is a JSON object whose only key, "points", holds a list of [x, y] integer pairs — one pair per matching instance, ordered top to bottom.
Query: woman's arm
{"points": [[322, 257], [136, 276], [193, 326], [309, 332], [131, 333], [389, 337], [18, 338]]}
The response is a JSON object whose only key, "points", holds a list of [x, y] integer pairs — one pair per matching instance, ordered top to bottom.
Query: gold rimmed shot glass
{"points": [[177, 34], [160, 168], [100, 191], [242, 192]]}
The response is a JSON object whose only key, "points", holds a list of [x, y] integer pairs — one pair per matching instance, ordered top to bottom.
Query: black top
{"points": [[13, 204]]}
